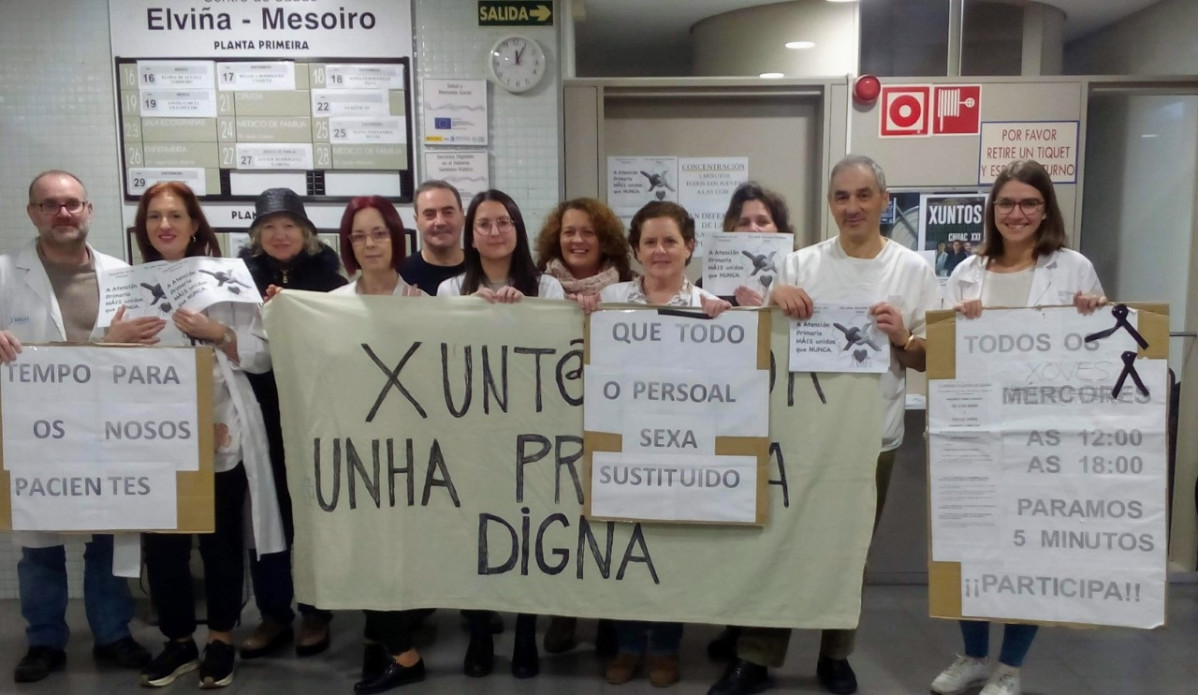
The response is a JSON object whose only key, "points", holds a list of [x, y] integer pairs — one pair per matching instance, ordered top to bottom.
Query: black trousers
{"points": [[168, 556], [392, 629]]}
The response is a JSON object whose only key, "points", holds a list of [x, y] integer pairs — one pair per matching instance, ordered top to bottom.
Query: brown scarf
{"points": [[585, 286]]}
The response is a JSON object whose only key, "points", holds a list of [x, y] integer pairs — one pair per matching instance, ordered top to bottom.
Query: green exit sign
{"points": [[494, 13]]}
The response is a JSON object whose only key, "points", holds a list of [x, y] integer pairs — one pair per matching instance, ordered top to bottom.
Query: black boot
{"points": [[480, 654], [526, 663], [742, 678]]}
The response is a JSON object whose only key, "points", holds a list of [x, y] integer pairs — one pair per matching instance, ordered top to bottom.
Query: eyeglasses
{"points": [[1027, 205], [51, 207], [500, 225], [377, 235]]}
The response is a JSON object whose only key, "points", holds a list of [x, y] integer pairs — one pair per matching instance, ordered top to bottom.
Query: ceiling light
{"points": [[800, 45], [771, 75]]}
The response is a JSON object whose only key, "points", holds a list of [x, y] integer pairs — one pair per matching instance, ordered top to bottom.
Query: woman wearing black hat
{"points": [[284, 253]]}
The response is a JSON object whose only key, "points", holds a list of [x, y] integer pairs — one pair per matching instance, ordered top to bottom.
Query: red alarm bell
{"points": [[867, 89]]}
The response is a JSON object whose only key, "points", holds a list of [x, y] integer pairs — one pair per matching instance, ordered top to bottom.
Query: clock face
{"points": [[517, 63]]}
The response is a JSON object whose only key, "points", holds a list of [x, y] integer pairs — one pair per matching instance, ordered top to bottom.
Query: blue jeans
{"points": [[42, 577], [663, 638], [1016, 641]]}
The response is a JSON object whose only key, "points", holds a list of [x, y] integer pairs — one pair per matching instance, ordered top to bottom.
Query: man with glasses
{"points": [[439, 218], [861, 264], [49, 292]]}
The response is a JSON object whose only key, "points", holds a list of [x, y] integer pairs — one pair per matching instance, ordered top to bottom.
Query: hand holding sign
{"points": [[793, 301], [143, 330], [10, 347]]}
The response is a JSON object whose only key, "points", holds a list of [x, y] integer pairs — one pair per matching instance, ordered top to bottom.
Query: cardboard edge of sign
{"points": [[757, 447], [194, 509], [944, 578]]}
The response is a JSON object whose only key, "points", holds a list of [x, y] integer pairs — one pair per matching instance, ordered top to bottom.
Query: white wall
{"points": [[1160, 40], [57, 111]]}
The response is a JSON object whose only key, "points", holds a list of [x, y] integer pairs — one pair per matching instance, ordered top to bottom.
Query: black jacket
{"points": [[318, 273]]}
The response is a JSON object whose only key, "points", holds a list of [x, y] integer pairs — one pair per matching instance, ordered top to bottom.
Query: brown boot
{"points": [[313, 635], [559, 637], [266, 639], [622, 668], [663, 670]]}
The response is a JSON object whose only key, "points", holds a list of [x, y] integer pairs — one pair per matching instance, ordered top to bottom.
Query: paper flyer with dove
{"points": [[744, 259], [160, 288], [838, 338]]}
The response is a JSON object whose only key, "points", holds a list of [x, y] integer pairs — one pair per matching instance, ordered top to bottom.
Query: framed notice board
{"points": [[230, 128]]}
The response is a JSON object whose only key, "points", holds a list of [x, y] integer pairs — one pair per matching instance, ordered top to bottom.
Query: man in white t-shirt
{"points": [[857, 266]]}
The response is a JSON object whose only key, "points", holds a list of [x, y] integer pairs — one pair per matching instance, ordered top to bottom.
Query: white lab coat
{"points": [[1057, 277], [29, 310], [253, 356]]}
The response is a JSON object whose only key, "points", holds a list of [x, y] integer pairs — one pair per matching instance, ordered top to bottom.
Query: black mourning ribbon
{"points": [[1119, 311], [683, 313], [1129, 369]]}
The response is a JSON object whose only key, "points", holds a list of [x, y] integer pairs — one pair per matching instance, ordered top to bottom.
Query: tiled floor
{"points": [[899, 650]]}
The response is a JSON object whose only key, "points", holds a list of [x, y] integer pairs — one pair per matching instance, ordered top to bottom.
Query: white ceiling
{"points": [[622, 30]]}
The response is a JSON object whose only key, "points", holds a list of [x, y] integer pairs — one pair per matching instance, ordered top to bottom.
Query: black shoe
{"points": [[606, 643], [723, 647], [125, 653], [480, 654], [176, 659], [374, 660], [526, 662], [38, 663], [217, 669], [393, 676], [836, 676], [742, 678]]}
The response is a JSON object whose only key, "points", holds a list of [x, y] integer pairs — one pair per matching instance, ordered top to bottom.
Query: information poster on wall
{"points": [[236, 97], [455, 112], [1052, 143], [465, 169], [702, 185], [705, 185], [951, 228], [744, 259], [677, 418], [96, 439], [1048, 467]]}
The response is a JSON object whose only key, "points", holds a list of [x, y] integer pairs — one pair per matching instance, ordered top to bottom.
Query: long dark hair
{"points": [[751, 190], [1050, 236], [203, 243], [522, 273]]}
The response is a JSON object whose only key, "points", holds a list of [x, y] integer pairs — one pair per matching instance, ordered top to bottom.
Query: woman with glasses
{"points": [[170, 226], [662, 235], [372, 241], [284, 253], [1022, 262], [499, 266], [499, 269]]}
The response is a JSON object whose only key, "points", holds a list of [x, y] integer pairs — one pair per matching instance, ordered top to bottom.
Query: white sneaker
{"points": [[964, 673], [1004, 681]]}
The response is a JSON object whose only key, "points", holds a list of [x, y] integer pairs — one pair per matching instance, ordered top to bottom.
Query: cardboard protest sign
{"points": [[678, 420], [107, 439], [440, 465], [1047, 465]]}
